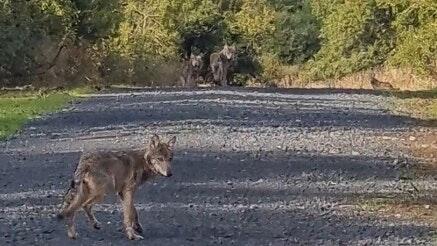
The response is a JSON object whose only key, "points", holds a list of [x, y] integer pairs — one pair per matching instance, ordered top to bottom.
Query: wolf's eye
{"points": [[160, 159]]}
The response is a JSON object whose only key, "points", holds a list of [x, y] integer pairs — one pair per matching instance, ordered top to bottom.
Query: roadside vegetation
{"points": [[286, 43], [421, 104], [18, 107], [15, 110], [422, 145]]}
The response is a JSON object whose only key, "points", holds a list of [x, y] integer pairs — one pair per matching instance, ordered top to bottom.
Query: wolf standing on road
{"points": [[221, 63], [191, 70], [380, 85], [100, 173]]}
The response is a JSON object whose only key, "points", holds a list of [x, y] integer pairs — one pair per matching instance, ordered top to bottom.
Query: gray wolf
{"points": [[221, 63], [191, 70], [119, 172]]}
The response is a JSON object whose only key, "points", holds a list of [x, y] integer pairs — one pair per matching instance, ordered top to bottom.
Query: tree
{"points": [[415, 23], [31, 34], [296, 38]]}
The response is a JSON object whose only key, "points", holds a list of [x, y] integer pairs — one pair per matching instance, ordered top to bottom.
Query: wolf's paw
{"points": [[60, 216], [97, 225], [138, 228], [130, 232], [73, 235]]}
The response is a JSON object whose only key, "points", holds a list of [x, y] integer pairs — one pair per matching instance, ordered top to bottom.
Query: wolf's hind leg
{"points": [[70, 212], [91, 217], [71, 228]]}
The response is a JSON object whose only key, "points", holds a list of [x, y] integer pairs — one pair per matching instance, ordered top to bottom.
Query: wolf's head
{"points": [[229, 52], [196, 61], [160, 154]]}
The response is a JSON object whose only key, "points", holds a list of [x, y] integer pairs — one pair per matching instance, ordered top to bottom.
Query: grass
{"points": [[81, 91], [421, 104], [18, 107], [422, 108], [16, 110], [411, 209]]}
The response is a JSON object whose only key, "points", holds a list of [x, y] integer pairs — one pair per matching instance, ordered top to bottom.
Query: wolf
{"points": [[222, 63], [191, 70], [380, 85], [120, 172]]}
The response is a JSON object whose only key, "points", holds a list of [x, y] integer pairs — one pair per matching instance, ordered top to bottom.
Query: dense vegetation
{"points": [[143, 41]]}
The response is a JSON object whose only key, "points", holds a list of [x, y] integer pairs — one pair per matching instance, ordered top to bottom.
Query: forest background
{"points": [[283, 43]]}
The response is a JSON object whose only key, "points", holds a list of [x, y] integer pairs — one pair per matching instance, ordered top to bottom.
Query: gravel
{"points": [[252, 167]]}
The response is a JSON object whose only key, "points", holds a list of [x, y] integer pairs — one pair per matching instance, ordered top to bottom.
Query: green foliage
{"points": [[97, 19], [254, 23], [198, 24], [26, 27], [167, 28], [142, 31], [154, 33], [297, 33], [356, 35], [416, 40], [140, 41], [417, 49], [271, 67]]}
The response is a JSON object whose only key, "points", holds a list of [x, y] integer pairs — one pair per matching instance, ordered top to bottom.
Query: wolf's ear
{"points": [[154, 141], [172, 142]]}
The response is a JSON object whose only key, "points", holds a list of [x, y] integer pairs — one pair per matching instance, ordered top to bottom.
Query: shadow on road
{"points": [[239, 110], [219, 196], [279, 196]]}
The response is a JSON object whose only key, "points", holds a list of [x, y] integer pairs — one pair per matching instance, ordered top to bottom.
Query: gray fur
{"points": [[221, 64], [192, 69]]}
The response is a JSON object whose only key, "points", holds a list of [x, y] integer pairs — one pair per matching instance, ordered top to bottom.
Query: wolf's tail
{"points": [[72, 191], [68, 197]]}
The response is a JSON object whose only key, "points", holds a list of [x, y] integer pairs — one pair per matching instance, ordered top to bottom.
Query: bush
{"points": [[32, 33], [416, 35], [355, 36], [144, 41]]}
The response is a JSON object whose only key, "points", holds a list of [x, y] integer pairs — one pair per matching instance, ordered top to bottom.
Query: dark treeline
{"points": [[279, 42]]}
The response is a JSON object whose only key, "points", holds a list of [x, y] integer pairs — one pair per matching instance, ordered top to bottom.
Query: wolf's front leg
{"points": [[224, 81], [129, 216], [137, 226]]}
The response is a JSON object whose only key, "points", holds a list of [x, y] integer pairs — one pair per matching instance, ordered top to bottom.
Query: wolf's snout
{"points": [[169, 174]]}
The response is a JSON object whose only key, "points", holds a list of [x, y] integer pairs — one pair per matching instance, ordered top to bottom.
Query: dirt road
{"points": [[253, 167]]}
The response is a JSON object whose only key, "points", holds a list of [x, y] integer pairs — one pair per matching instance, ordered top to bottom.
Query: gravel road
{"points": [[252, 167]]}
